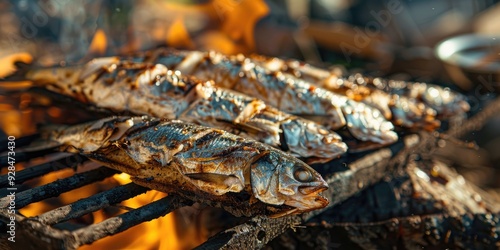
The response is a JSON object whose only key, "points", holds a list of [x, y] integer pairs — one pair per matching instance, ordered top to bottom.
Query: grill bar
{"points": [[477, 121], [20, 142], [24, 156], [42, 169], [58, 187], [91, 204], [124, 221], [254, 234]]}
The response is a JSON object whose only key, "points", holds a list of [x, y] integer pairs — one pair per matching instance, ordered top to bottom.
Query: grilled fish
{"points": [[154, 90], [294, 96], [409, 104], [176, 156]]}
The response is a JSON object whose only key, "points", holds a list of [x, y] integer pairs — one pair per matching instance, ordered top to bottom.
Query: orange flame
{"points": [[240, 17], [226, 26], [178, 36], [99, 43], [7, 62], [38, 208], [148, 235]]}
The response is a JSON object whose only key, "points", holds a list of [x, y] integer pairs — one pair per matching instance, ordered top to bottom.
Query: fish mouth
{"points": [[313, 190], [307, 199], [303, 206]]}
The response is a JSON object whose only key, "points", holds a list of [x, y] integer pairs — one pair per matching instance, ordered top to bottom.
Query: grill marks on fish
{"points": [[153, 89], [187, 158]]}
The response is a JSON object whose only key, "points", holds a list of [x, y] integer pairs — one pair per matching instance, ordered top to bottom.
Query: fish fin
{"points": [[249, 128], [213, 178], [217, 184], [284, 213]]}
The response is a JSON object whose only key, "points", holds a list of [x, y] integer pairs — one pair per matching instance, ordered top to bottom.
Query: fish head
{"points": [[308, 139], [281, 179]]}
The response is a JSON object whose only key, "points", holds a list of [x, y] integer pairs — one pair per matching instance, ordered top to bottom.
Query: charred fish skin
{"points": [[147, 89], [291, 95], [211, 160]]}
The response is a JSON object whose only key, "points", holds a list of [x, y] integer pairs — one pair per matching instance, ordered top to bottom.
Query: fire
{"points": [[239, 19], [226, 26], [178, 36], [99, 43], [7, 62], [38, 208], [156, 234]]}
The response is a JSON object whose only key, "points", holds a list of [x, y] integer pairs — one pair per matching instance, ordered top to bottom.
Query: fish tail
{"points": [[45, 140]]}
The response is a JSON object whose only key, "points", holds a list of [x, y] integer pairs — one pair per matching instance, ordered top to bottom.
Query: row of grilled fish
{"points": [[156, 83], [152, 89], [409, 104]]}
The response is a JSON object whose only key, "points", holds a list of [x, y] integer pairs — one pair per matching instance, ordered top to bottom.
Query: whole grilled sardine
{"points": [[409, 104], [175, 156]]}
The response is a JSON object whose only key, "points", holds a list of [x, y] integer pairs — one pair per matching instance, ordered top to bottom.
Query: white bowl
{"points": [[471, 60]]}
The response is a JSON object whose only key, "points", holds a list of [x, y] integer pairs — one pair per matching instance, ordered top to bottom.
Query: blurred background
{"points": [[388, 35], [389, 38]]}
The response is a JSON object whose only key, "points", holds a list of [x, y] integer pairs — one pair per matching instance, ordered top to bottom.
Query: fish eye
{"points": [[303, 175]]}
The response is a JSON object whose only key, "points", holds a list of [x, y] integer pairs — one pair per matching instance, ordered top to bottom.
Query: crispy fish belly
{"points": [[147, 89], [294, 96], [409, 104], [201, 163]]}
